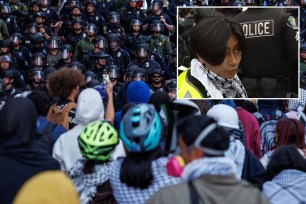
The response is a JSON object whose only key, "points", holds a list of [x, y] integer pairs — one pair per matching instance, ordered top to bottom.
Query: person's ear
{"points": [[202, 60], [197, 153]]}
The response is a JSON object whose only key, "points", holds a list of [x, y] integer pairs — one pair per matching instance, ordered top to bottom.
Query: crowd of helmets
{"points": [[106, 40]]}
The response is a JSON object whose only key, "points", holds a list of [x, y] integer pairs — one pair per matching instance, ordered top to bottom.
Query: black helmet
{"points": [[34, 2], [91, 2], [156, 5], [79, 6], [6, 9], [40, 14], [113, 17], [77, 20], [157, 26], [32, 28], [91, 28], [113, 37], [16, 38], [37, 38], [100, 41], [53, 42], [6, 43], [303, 48], [66, 49], [142, 51], [100, 54], [5, 58], [39, 59], [76, 65], [49, 71], [157, 71], [37, 72], [113, 72], [136, 72], [8, 73], [89, 75]]}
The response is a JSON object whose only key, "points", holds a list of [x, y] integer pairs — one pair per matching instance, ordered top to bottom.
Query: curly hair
{"points": [[63, 81]]}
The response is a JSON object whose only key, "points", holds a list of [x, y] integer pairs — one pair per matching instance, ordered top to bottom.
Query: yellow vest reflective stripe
{"points": [[185, 88]]}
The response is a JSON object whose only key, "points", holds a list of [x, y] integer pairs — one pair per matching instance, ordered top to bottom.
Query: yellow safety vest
{"points": [[186, 89]]}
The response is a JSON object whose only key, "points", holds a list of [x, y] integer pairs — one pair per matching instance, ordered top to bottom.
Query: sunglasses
{"points": [[156, 76]]}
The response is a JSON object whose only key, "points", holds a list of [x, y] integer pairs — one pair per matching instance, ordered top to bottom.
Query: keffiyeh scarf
{"points": [[229, 88], [209, 166], [86, 184]]}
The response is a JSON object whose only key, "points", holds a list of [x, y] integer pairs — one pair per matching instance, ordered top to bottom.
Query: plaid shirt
{"points": [[132, 195]]}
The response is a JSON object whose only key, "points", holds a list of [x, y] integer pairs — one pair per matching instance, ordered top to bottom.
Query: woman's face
{"points": [[229, 67]]}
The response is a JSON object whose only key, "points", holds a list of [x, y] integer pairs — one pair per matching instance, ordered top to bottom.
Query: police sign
{"points": [[255, 29]]}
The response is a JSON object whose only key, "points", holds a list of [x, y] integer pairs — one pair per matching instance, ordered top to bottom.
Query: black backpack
{"points": [[44, 137]]}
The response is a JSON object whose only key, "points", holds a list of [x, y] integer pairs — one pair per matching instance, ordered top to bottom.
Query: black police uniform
{"points": [[128, 15], [154, 16], [51, 17], [96, 19], [11, 24], [118, 29], [73, 38], [130, 43], [24, 52], [121, 59], [89, 60], [270, 62], [170, 71], [118, 96]]}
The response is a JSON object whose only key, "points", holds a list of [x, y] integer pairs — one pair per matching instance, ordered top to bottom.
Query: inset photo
{"points": [[238, 52]]}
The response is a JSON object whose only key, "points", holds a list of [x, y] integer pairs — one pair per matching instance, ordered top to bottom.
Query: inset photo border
{"points": [[238, 52]]}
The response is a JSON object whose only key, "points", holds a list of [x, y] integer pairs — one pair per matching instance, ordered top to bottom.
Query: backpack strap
{"points": [[196, 84], [194, 196]]}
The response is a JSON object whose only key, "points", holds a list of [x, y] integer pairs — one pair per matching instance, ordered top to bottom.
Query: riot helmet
{"points": [[113, 18], [157, 26], [16, 38], [113, 40], [53, 43]]}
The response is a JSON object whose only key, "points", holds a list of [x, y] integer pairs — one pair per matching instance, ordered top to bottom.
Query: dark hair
{"points": [[209, 38], [63, 81], [159, 97], [41, 101], [203, 105], [191, 127], [290, 131], [286, 157], [89, 166], [136, 168]]}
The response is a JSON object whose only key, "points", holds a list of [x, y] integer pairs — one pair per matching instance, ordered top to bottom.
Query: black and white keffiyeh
{"points": [[230, 88], [220, 166], [86, 184], [125, 194]]}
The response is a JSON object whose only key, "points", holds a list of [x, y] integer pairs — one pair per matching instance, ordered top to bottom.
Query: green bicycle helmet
{"points": [[141, 128], [98, 140]]}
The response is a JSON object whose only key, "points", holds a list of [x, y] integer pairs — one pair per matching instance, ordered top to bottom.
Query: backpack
{"points": [[60, 117], [267, 128], [44, 137]]}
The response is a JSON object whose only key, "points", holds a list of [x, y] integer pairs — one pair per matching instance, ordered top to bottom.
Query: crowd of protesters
{"points": [[89, 115]]}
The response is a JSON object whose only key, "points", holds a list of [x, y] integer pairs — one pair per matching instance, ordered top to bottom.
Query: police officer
{"points": [[173, 5], [19, 10], [130, 13], [158, 14], [92, 16], [52, 18], [8, 19], [113, 25], [31, 29], [44, 30], [65, 30], [4, 33], [77, 33], [16, 40], [158, 42], [38, 44], [100, 44], [84, 46], [54, 54], [67, 54], [120, 56], [142, 60], [39, 61], [17, 62], [270, 64], [5, 65], [101, 66], [171, 70], [135, 73], [9, 78], [36, 80], [157, 81], [118, 87]]}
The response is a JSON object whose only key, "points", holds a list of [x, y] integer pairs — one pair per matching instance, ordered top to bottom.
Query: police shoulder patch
{"points": [[291, 22]]}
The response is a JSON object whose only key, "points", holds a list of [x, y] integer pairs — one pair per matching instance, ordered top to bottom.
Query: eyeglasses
{"points": [[156, 76]]}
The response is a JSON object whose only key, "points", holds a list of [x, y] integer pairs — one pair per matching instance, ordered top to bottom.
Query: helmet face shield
{"points": [[6, 10], [114, 19], [157, 27], [33, 29], [91, 29], [15, 39], [53, 44], [101, 44], [113, 44], [142, 53], [65, 54], [38, 61], [38, 74], [113, 74], [138, 77]]}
